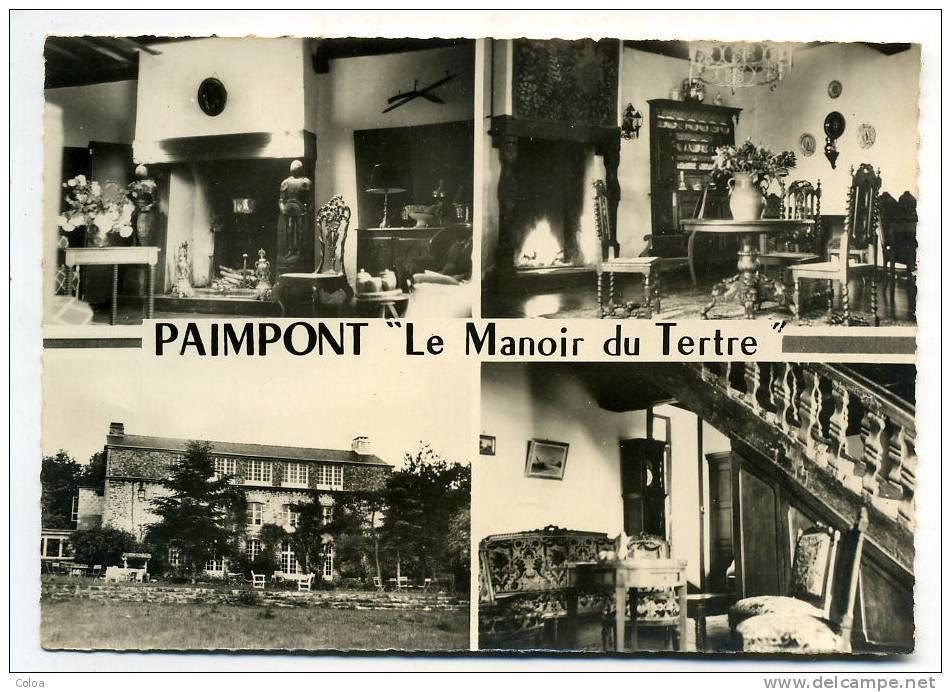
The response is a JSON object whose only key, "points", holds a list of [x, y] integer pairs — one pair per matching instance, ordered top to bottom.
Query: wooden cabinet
{"points": [[684, 136]]}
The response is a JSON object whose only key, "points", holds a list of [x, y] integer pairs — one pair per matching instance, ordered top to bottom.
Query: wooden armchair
{"points": [[800, 201], [330, 231], [859, 231], [899, 232], [649, 267], [257, 580], [305, 581], [655, 608], [805, 632]]}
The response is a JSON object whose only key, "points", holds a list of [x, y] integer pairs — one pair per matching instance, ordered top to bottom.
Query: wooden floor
{"points": [[681, 300]]}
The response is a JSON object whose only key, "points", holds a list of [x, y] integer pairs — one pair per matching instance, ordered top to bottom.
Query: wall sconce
{"points": [[631, 122], [141, 491]]}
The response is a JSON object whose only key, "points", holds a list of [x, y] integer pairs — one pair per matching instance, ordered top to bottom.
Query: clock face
{"points": [[212, 96]]}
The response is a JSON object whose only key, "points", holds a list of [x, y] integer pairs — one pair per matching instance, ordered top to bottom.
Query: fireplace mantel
{"points": [[507, 131]]}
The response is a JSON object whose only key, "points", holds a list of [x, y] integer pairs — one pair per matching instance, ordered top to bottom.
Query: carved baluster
{"points": [[751, 373], [783, 395], [810, 405], [839, 427], [874, 450], [900, 477]]}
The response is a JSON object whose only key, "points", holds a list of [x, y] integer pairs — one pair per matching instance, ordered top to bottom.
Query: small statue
{"points": [[142, 193], [294, 204], [262, 271], [183, 285]]}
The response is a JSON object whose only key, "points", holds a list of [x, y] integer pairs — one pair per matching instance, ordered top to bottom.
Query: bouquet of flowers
{"points": [[759, 162], [103, 207]]}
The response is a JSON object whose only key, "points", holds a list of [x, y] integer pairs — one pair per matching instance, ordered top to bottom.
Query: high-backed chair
{"points": [[800, 201], [859, 231], [899, 232], [330, 235], [649, 267], [810, 586], [655, 608], [813, 633]]}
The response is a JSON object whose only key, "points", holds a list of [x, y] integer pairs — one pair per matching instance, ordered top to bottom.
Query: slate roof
{"points": [[247, 450]]}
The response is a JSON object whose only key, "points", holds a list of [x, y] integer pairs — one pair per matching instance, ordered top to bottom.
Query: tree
{"points": [[93, 474], [59, 476], [421, 500], [202, 515], [102, 546]]}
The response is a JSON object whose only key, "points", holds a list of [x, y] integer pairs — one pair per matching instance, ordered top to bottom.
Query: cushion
{"points": [[770, 605], [782, 633]]}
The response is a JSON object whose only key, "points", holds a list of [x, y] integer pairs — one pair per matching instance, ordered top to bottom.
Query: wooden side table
{"points": [[115, 256], [386, 303]]}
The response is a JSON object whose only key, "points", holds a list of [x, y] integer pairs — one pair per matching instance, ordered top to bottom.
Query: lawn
{"points": [[90, 624]]}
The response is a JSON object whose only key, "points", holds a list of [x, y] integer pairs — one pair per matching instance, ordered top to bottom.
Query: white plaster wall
{"points": [[262, 77], [877, 89], [352, 96], [97, 112], [552, 404]]}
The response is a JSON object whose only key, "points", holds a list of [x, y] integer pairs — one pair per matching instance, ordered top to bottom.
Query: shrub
{"points": [[103, 546]]}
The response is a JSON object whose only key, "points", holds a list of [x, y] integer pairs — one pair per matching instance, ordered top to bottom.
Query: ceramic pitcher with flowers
{"points": [[748, 171], [747, 201]]}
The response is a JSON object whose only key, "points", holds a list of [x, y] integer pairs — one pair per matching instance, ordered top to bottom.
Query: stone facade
{"points": [[137, 466]]}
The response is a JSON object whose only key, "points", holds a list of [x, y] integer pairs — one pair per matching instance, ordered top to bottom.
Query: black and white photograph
{"points": [[257, 177], [702, 179], [727, 508], [187, 519]]}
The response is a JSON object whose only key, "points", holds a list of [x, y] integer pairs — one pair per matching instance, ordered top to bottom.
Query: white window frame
{"points": [[226, 466], [260, 472], [296, 475], [329, 476], [74, 511], [255, 514], [326, 514], [291, 517], [253, 548], [61, 553], [174, 556], [289, 562], [327, 563], [217, 564]]}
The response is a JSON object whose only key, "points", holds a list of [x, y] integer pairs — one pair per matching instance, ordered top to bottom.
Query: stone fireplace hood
{"points": [[228, 147]]}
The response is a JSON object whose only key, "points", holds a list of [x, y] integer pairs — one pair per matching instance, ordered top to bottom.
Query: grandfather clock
{"points": [[644, 487]]}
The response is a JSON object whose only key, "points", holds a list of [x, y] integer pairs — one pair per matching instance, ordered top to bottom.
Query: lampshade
{"points": [[383, 180]]}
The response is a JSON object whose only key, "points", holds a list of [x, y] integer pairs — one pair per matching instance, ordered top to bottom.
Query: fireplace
{"points": [[546, 218]]}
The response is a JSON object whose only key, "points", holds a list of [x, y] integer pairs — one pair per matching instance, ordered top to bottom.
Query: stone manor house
{"points": [[275, 478]]}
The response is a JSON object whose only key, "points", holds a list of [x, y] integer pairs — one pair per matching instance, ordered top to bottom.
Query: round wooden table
{"points": [[748, 286], [386, 302]]}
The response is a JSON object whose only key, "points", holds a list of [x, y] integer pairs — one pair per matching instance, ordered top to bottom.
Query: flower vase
{"points": [[747, 202], [96, 237]]}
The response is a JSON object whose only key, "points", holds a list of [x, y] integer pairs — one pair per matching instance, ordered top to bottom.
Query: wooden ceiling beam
{"points": [[136, 46], [102, 50]]}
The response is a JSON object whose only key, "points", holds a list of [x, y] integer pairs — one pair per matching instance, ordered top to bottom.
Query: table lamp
{"points": [[383, 182]]}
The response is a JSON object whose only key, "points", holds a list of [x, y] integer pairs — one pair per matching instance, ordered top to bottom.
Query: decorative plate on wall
{"points": [[835, 89], [212, 96], [866, 135], [807, 144]]}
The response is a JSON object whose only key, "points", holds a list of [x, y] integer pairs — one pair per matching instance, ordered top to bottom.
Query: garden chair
{"points": [[96, 572], [257, 580], [304, 582], [427, 582], [378, 583], [402, 583]]}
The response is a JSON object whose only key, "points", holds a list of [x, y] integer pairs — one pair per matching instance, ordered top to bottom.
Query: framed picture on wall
{"points": [[487, 445], [546, 459]]}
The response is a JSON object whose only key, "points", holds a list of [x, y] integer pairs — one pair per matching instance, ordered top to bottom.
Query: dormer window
{"points": [[259, 472], [295, 475], [329, 476]]}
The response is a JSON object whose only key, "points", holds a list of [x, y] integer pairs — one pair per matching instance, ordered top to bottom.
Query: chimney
{"points": [[116, 429], [361, 445]]}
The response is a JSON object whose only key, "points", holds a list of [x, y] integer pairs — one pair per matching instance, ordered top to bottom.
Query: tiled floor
{"points": [[681, 300]]}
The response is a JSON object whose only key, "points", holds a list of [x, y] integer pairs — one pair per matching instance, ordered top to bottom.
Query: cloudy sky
{"points": [[308, 401]]}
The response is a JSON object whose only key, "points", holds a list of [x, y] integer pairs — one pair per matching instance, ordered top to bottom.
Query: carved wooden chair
{"points": [[801, 200], [859, 231], [899, 232], [648, 267], [329, 275], [810, 587], [654, 608], [801, 631]]}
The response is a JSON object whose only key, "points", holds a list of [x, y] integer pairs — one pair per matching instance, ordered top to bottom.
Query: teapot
{"points": [[388, 280]]}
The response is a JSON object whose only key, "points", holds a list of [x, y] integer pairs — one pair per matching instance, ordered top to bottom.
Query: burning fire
{"points": [[541, 248]]}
